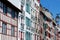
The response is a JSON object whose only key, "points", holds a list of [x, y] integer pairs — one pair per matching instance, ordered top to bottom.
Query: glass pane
{"points": [[28, 7], [4, 9], [9, 10], [13, 14], [16, 14], [28, 22], [4, 28], [12, 31]]}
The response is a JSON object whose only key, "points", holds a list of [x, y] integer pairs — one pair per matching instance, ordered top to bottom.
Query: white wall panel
{"points": [[16, 3]]}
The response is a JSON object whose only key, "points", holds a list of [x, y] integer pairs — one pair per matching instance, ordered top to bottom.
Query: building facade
{"points": [[9, 19], [26, 20], [48, 25], [57, 27], [28, 28], [58, 34]]}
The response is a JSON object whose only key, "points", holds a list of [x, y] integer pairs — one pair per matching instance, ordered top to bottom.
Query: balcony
{"points": [[23, 13], [32, 18], [7, 19], [22, 20], [49, 24], [22, 26], [31, 29], [50, 32]]}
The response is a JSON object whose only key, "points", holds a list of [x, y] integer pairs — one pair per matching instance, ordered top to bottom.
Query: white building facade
{"points": [[28, 28]]}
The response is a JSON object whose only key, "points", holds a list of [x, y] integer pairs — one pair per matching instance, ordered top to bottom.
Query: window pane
{"points": [[1, 5], [27, 6], [4, 9], [9, 10], [13, 14], [16, 14], [28, 22], [45, 26], [4, 28], [13, 31], [28, 36]]}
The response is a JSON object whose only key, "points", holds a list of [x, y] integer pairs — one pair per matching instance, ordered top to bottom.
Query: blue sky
{"points": [[52, 5]]}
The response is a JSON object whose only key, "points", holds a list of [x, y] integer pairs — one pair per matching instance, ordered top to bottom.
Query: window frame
{"points": [[9, 10]]}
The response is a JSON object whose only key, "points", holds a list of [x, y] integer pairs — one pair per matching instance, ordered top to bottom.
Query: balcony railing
{"points": [[23, 13], [7, 19], [49, 24], [22, 26], [31, 29], [50, 32]]}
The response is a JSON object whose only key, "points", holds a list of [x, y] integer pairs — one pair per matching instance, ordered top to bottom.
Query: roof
{"points": [[47, 14]]}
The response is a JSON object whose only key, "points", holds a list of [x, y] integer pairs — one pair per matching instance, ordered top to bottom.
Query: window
{"points": [[22, 2], [1, 5], [27, 6], [21, 8], [4, 9], [9, 10], [13, 14], [16, 14], [22, 17], [45, 18], [28, 22], [22, 26], [45, 26], [4, 28], [12, 31], [45, 33], [21, 36], [28, 36]]}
